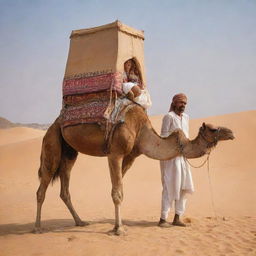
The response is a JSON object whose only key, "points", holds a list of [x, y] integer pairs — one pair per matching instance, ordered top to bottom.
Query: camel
{"points": [[131, 138]]}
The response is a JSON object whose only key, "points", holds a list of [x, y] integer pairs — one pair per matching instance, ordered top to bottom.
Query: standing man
{"points": [[175, 173]]}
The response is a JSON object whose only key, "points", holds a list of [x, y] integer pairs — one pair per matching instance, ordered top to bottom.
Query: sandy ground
{"points": [[221, 219]]}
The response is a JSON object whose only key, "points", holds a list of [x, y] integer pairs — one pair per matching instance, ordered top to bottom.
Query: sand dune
{"points": [[18, 134], [221, 218]]}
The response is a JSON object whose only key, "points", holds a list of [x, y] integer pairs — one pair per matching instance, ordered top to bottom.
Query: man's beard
{"points": [[181, 109]]}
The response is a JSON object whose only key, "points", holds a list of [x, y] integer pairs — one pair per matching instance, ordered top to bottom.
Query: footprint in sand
{"points": [[187, 220], [253, 232], [71, 238], [183, 243], [179, 251]]}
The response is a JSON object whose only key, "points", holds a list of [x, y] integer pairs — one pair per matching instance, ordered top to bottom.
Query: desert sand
{"points": [[221, 217]]}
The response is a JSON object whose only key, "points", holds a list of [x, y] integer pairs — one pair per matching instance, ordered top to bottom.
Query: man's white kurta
{"points": [[176, 175]]}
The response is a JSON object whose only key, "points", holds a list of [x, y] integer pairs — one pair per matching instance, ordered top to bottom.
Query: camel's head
{"points": [[213, 134]]}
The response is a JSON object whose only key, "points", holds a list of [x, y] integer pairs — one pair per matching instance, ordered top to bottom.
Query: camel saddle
{"points": [[101, 108]]}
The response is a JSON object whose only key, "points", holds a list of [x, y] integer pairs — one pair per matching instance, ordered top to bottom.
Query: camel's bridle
{"points": [[213, 143], [210, 145]]}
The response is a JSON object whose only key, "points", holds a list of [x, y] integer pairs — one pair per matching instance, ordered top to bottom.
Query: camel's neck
{"points": [[153, 146], [195, 148]]}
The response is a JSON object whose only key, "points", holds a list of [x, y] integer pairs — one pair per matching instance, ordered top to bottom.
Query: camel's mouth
{"points": [[227, 136], [231, 137]]}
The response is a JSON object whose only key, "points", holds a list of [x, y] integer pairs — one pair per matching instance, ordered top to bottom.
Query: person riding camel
{"points": [[133, 86]]}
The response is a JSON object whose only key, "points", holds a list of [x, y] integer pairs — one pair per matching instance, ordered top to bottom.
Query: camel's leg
{"points": [[50, 160], [127, 162], [65, 169], [45, 180], [117, 190]]}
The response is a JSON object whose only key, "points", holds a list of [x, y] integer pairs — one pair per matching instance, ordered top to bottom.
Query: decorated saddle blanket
{"points": [[92, 82], [99, 107]]}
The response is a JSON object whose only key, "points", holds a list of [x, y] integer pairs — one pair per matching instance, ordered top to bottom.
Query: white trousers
{"points": [[179, 205]]}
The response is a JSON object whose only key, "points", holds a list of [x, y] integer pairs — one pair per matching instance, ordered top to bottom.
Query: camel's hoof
{"points": [[82, 223], [37, 230], [118, 231]]}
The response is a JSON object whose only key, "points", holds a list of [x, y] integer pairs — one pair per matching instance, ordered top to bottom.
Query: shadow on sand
{"points": [[66, 225]]}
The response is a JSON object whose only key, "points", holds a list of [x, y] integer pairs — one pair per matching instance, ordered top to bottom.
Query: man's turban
{"points": [[179, 97]]}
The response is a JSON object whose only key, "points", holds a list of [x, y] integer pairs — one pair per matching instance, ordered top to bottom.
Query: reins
{"points": [[201, 165]]}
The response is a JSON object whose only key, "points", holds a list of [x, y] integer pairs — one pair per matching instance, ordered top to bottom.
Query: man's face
{"points": [[180, 105]]}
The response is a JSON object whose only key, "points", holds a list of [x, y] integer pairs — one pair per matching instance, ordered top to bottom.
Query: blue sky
{"points": [[204, 48]]}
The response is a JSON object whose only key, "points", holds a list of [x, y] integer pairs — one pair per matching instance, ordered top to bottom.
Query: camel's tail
{"points": [[55, 152], [67, 153], [39, 173], [56, 175]]}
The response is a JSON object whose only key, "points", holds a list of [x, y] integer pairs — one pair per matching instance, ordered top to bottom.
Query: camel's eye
{"points": [[213, 130]]}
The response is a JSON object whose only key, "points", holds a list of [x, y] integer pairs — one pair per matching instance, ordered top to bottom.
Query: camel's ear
{"points": [[204, 126]]}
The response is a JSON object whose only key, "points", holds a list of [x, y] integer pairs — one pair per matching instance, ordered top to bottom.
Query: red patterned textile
{"points": [[95, 83], [86, 108]]}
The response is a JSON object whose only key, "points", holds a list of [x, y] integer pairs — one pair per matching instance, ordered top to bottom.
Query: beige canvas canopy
{"points": [[97, 55]]}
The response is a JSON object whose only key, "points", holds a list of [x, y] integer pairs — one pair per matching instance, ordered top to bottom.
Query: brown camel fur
{"points": [[130, 139]]}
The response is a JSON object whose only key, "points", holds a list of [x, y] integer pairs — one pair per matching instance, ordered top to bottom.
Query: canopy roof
{"points": [[121, 27], [104, 49]]}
